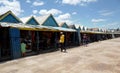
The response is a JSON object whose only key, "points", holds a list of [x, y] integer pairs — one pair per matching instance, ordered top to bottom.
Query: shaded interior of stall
{"points": [[5, 51]]}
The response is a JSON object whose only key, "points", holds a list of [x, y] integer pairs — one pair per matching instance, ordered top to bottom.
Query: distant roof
{"points": [[7, 13], [32, 17], [25, 19], [39, 19], [42, 19], [60, 24], [63, 24], [72, 26], [77, 26], [82, 28]]}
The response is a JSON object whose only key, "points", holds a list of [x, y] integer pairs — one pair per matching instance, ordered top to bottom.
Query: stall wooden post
{"points": [[74, 33], [113, 35], [79, 37], [56, 40], [37, 41], [15, 42], [65, 43], [0, 52]]}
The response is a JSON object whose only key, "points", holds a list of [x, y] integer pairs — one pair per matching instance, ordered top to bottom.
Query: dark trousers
{"points": [[85, 41], [62, 47]]}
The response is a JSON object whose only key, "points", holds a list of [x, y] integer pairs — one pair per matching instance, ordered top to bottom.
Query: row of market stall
{"points": [[41, 34]]}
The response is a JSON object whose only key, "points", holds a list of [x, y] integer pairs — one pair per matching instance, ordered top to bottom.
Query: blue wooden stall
{"points": [[47, 20], [50, 21], [14, 35], [44, 35], [77, 36], [69, 39], [36, 45]]}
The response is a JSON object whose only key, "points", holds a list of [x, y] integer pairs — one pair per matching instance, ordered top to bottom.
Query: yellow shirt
{"points": [[62, 37]]}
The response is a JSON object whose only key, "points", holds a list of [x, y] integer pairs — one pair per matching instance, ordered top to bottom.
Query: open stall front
{"points": [[117, 35], [69, 36], [93, 36], [36, 37], [70, 39], [39, 40], [44, 40], [9, 42], [5, 51]]}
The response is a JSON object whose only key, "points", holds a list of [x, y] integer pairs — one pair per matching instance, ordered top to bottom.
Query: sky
{"points": [[87, 13]]}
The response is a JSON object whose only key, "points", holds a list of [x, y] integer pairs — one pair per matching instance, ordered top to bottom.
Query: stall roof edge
{"points": [[7, 13], [32, 17], [43, 19], [62, 24]]}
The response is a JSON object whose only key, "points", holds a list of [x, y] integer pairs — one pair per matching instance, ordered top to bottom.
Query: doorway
{"points": [[5, 52]]}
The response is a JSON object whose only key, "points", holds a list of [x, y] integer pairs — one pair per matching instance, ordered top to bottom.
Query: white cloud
{"points": [[28, 1], [57, 1], [71, 2], [78, 2], [38, 3], [7, 5], [35, 11], [51, 11], [74, 13], [106, 13], [64, 18], [97, 20], [69, 22], [112, 25]]}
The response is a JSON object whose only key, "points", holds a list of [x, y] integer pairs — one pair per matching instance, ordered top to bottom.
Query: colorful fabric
{"points": [[23, 47]]}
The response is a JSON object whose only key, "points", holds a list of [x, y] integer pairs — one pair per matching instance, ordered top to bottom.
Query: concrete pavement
{"points": [[98, 57]]}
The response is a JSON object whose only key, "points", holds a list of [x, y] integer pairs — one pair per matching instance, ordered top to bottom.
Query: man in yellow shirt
{"points": [[62, 40]]}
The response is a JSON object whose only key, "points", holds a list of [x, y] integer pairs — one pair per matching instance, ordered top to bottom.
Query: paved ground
{"points": [[98, 57]]}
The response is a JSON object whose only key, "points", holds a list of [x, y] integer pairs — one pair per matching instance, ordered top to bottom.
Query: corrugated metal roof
{"points": [[20, 25], [28, 27], [36, 27], [64, 29], [92, 32]]}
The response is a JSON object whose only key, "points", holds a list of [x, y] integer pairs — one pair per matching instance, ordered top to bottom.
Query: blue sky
{"points": [[88, 13]]}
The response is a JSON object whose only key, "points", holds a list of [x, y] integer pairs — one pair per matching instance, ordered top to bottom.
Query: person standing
{"points": [[62, 40], [85, 40], [23, 48]]}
